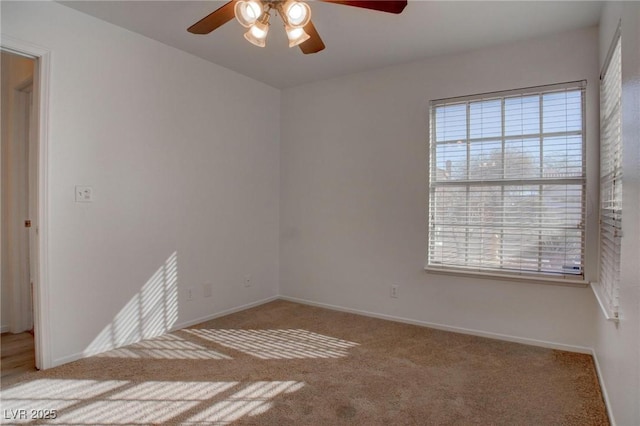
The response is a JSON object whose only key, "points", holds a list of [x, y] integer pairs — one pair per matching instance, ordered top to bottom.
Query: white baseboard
{"points": [[223, 313], [4, 329], [473, 332], [79, 355], [68, 358], [605, 395]]}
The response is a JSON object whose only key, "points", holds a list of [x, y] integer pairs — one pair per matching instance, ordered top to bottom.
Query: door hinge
{"points": [[27, 224]]}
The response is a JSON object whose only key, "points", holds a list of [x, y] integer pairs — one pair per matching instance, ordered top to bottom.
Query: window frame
{"points": [[511, 274]]}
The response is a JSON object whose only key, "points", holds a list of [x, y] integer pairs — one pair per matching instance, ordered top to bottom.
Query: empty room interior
{"points": [[320, 212]]}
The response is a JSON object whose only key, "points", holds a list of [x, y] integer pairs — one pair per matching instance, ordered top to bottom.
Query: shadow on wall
{"points": [[150, 313]]}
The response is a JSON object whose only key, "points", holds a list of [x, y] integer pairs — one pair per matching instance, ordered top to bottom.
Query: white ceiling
{"points": [[356, 39]]}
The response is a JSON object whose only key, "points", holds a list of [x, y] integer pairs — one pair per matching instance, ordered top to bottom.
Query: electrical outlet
{"points": [[84, 194], [247, 281], [206, 290], [395, 290], [189, 293]]}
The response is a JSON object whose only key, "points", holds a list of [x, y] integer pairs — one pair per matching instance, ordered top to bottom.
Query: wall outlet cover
{"points": [[84, 194], [206, 290], [395, 290]]}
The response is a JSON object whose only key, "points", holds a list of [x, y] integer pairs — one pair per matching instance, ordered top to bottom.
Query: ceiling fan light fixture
{"points": [[248, 12], [297, 13], [257, 34], [296, 36]]}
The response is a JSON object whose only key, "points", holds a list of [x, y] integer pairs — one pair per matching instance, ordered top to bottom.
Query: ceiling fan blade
{"points": [[390, 6], [215, 19], [315, 43]]}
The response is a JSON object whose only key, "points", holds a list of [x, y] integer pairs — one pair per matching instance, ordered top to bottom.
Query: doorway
{"points": [[19, 221]]}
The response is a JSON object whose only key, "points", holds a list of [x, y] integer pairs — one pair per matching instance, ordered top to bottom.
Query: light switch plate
{"points": [[84, 194], [206, 289]]}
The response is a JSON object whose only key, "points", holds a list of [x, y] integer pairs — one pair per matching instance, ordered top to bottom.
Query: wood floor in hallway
{"points": [[18, 354]]}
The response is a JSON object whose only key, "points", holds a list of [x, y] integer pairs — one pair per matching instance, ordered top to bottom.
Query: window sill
{"points": [[568, 281], [609, 314]]}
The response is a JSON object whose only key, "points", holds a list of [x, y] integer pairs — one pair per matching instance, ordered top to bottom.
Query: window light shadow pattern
{"points": [[150, 313], [277, 344], [168, 346], [115, 402]]}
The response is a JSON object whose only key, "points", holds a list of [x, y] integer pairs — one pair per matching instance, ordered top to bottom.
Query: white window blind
{"points": [[610, 180], [507, 182]]}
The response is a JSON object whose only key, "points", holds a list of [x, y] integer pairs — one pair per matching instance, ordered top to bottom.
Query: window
{"points": [[610, 180], [507, 182]]}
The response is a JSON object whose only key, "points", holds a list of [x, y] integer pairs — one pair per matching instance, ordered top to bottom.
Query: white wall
{"points": [[16, 71], [183, 158], [354, 192], [617, 347]]}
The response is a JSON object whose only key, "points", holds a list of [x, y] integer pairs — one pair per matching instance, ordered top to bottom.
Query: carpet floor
{"points": [[286, 363]]}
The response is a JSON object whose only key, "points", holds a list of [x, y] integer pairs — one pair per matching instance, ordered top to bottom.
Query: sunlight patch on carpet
{"points": [[277, 344], [169, 346], [254, 399], [114, 402]]}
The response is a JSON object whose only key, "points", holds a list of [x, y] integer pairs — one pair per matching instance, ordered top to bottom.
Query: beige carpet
{"points": [[285, 363]]}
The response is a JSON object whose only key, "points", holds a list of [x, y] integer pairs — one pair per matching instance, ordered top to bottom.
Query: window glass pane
{"points": [[562, 112], [522, 115], [485, 119], [451, 122], [562, 156], [522, 158], [485, 160], [451, 161], [521, 205], [449, 206], [561, 206], [485, 207], [484, 221], [449, 246], [521, 249], [560, 250]]}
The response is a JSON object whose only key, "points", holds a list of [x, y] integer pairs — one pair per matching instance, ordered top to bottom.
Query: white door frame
{"points": [[41, 307]]}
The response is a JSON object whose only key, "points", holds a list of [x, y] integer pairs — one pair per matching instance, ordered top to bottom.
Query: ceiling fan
{"points": [[295, 14]]}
